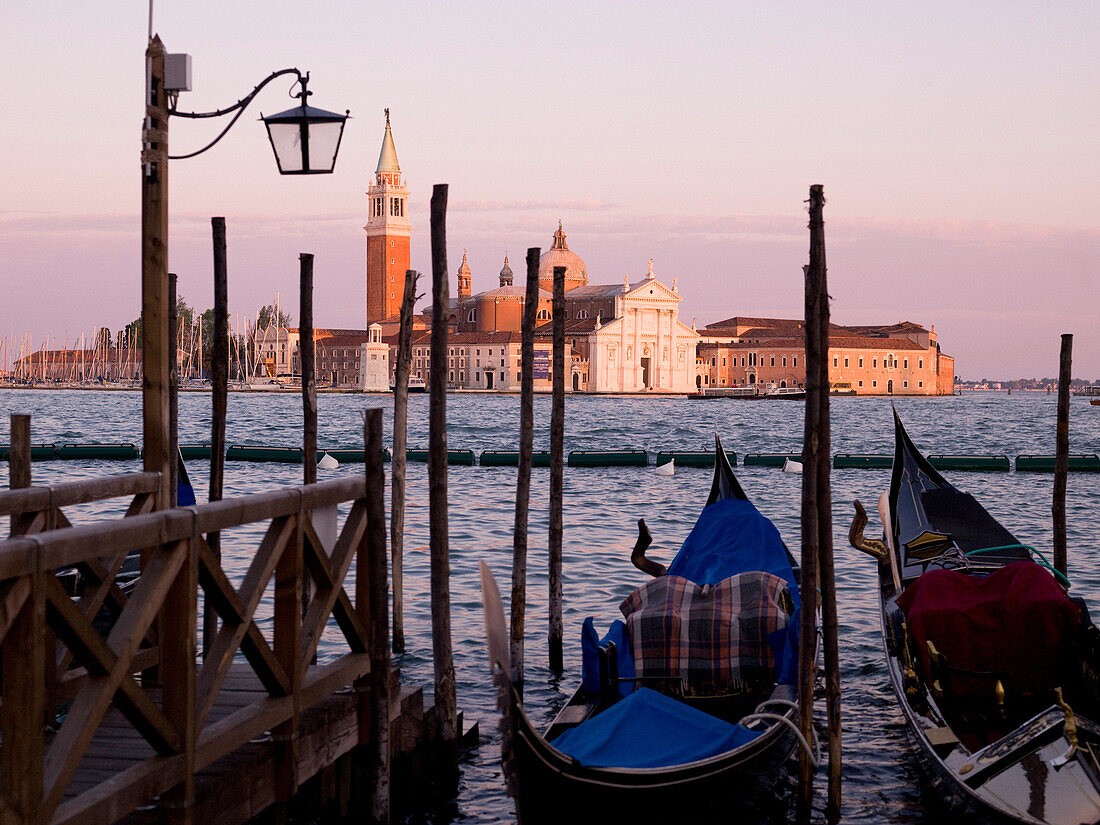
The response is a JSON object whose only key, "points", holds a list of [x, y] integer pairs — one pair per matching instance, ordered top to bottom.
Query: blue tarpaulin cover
{"points": [[731, 537], [650, 730]]}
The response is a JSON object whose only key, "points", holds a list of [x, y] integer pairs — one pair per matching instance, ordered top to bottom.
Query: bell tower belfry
{"points": [[388, 231]]}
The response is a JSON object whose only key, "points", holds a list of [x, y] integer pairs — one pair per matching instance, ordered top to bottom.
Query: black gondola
{"points": [[996, 669], [552, 783]]}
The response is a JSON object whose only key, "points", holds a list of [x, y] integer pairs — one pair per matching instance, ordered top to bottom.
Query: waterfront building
{"points": [[388, 234], [895, 359], [374, 362]]}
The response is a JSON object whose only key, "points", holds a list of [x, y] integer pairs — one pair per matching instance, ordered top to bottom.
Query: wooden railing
{"points": [[147, 665]]}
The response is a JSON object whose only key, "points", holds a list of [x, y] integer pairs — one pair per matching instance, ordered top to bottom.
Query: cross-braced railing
{"points": [[156, 681]]}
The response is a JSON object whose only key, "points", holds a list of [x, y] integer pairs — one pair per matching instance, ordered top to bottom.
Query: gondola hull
{"points": [[553, 788]]}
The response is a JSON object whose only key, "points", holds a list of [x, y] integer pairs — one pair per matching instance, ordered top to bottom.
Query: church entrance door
{"points": [[645, 373], [488, 380], [576, 382], [890, 387]]}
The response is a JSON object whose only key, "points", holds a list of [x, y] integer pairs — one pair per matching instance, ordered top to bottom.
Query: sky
{"points": [[956, 143]]}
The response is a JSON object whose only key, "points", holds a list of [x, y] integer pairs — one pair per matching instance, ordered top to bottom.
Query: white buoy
{"points": [[327, 462], [792, 466], [667, 469]]}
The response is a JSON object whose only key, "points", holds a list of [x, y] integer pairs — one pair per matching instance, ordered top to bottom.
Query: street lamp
{"points": [[305, 140]]}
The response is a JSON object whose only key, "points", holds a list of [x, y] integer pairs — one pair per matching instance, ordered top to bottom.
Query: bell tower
{"points": [[388, 231]]}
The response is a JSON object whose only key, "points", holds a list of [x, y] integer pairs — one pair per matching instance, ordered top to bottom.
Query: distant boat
{"points": [[416, 384], [750, 393], [790, 393]]}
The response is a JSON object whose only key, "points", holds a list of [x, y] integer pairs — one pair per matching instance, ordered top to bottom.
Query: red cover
{"points": [[1017, 620]]}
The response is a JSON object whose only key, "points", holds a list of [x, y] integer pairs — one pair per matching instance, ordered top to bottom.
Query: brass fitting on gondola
{"points": [[872, 547], [1069, 730]]}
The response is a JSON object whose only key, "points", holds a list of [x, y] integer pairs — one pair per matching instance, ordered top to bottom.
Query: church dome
{"points": [[559, 254]]}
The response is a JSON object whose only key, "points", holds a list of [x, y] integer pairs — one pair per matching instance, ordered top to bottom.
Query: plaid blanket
{"points": [[713, 637]]}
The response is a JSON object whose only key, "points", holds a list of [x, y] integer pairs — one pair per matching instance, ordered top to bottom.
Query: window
{"points": [[391, 244], [582, 314], [543, 315], [471, 316], [490, 350], [723, 360], [742, 360], [796, 360], [713, 361], [773, 361], [785, 361], [835, 362], [845, 363], [861, 363], [905, 363], [920, 363], [502, 364], [874, 364], [451, 375], [861, 383], [874, 383], [905, 383], [920, 383]]}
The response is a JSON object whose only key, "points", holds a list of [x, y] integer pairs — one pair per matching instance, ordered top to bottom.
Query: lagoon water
{"points": [[881, 777]]}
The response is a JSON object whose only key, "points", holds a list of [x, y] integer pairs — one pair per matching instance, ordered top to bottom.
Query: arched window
{"points": [[582, 314], [544, 315], [472, 316]]}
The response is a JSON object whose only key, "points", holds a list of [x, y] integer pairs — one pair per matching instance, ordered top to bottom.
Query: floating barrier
{"points": [[39, 452], [113, 452], [197, 452], [286, 455], [353, 455], [463, 458], [510, 458], [608, 458], [692, 458], [770, 459], [846, 461], [976, 463], [1081, 463]]}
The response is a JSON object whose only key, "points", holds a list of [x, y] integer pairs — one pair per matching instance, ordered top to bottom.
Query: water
{"points": [[881, 777]]}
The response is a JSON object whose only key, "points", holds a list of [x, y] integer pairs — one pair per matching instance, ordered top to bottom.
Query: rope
{"points": [[1041, 561], [758, 716]]}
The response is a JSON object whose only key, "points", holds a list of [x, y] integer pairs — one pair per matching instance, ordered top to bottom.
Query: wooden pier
{"points": [[126, 719]]}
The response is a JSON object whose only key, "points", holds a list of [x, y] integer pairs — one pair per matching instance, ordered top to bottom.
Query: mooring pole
{"points": [[309, 385], [173, 391], [219, 397], [400, 445], [1061, 456], [19, 461], [557, 463], [523, 476], [817, 541], [375, 579], [445, 700]]}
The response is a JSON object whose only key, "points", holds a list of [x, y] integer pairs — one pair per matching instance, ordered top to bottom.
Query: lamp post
{"points": [[305, 141]]}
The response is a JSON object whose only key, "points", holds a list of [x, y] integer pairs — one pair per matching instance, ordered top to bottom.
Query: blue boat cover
{"points": [[731, 537], [649, 730]]}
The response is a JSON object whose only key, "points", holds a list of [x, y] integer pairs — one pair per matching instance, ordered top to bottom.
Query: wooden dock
{"points": [[137, 724]]}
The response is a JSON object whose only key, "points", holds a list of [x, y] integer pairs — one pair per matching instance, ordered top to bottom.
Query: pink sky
{"points": [[956, 147]]}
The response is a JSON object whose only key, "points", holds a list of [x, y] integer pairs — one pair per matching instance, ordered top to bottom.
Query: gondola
{"points": [[996, 669], [656, 734]]}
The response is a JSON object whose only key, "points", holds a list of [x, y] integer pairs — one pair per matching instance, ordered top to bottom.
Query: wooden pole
{"points": [[154, 273], [309, 385], [173, 394], [219, 400], [400, 444], [1061, 456], [19, 461], [557, 464], [523, 475], [817, 547], [374, 572], [445, 700]]}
